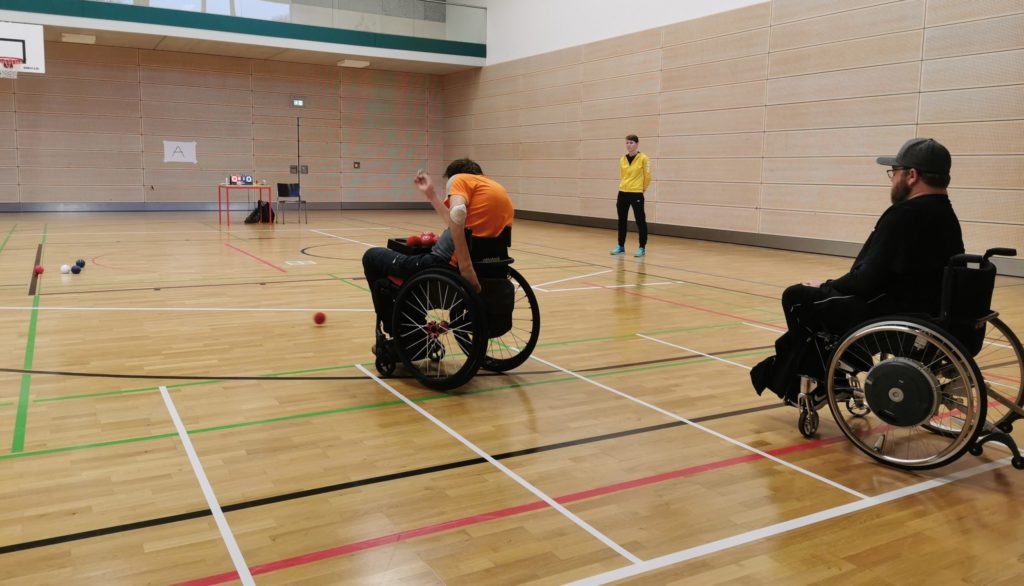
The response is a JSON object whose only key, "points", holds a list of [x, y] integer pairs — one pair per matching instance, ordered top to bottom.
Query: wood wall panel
{"points": [[789, 10], [942, 12], [716, 25], [843, 25], [979, 36], [734, 46], [881, 50], [972, 71], [902, 78], [740, 95], [969, 105], [615, 107], [873, 111], [101, 118], [764, 119], [71, 123], [862, 141]]}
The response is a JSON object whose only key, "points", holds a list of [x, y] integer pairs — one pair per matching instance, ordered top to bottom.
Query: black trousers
{"points": [[622, 205], [380, 263], [810, 310]]}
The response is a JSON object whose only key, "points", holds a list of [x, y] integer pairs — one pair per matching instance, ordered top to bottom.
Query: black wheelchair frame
{"points": [[443, 331], [917, 392]]}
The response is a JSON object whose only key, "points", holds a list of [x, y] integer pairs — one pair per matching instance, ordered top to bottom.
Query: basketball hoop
{"points": [[7, 70]]}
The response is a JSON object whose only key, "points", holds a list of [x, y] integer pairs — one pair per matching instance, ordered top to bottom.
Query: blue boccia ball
{"points": [[80, 263], [76, 269]]}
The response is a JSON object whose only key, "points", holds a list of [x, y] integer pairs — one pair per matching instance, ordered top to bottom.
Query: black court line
{"points": [[34, 283], [244, 284], [361, 377], [330, 488]]}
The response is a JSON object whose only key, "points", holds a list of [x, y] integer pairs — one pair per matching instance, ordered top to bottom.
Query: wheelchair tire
{"points": [[439, 329], [514, 347], [1001, 362], [926, 396], [807, 422]]}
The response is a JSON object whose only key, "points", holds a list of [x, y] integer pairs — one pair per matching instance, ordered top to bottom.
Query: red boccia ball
{"points": [[413, 240], [319, 317]]}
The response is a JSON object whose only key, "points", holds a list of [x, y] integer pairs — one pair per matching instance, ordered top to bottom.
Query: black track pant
{"points": [[622, 205]]}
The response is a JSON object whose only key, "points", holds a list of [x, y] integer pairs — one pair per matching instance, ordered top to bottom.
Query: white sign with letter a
{"points": [[179, 152]]}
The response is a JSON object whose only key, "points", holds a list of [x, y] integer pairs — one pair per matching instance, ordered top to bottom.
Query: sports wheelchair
{"points": [[443, 332], [917, 392]]}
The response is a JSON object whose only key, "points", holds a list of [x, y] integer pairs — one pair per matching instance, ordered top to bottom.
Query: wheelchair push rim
{"points": [[439, 331], [1001, 362], [925, 397]]}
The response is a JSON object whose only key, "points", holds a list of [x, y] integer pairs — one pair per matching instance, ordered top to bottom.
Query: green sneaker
{"points": [[618, 250], [640, 252]]}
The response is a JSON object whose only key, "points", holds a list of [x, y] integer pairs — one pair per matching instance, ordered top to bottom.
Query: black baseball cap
{"points": [[924, 154]]}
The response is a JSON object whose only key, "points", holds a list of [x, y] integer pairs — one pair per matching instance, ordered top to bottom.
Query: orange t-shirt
{"points": [[489, 208]]}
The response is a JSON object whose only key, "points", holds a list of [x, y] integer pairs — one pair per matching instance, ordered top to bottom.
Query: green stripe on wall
{"points": [[241, 25]]}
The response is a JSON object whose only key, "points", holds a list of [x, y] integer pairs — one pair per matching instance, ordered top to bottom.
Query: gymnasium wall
{"points": [[763, 123], [91, 129]]}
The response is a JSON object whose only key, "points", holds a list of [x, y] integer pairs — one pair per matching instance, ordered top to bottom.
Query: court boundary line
{"points": [[341, 238], [253, 256], [570, 279], [678, 347], [710, 431], [342, 486], [211, 499], [782, 527], [593, 531]]}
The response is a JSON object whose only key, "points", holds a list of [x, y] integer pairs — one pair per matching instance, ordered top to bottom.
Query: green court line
{"points": [[4, 245], [348, 282], [681, 362], [342, 367], [182, 385], [7, 404], [21, 416]]}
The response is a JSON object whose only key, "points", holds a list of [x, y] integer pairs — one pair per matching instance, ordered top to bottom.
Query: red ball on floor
{"points": [[319, 317]]}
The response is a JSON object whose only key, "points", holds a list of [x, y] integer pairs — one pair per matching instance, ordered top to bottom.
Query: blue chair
{"points": [[288, 194]]}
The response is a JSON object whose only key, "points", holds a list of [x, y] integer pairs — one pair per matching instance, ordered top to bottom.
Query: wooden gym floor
{"points": [[172, 415]]}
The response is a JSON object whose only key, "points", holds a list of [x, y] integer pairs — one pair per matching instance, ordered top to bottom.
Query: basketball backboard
{"points": [[25, 42]]}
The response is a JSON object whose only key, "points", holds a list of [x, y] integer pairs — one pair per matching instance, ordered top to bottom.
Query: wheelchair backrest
{"points": [[490, 255], [967, 285]]}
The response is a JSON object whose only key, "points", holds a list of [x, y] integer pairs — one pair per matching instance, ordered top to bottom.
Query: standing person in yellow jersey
{"points": [[634, 178]]}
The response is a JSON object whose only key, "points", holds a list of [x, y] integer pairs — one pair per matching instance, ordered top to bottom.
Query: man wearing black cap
{"points": [[898, 270]]}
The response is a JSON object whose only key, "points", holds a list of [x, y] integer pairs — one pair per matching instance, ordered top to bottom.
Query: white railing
{"points": [[431, 19]]}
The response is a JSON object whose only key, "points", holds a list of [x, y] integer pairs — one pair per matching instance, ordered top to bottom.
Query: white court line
{"points": [[354, 229], [343, 238], [572, 278], [592, 287], [569, 289], [156, 309], [776, 330], [998, 345], [694, 351], [696, 425], [522, 482], [211, 499], [783, 527]]}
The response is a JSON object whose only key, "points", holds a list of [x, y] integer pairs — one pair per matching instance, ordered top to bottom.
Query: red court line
{"points": [[251, 255], [499, 514]]}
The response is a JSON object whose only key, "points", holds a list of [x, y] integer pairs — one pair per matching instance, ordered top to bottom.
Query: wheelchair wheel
{"points": [[439, 331], [514, 347], [1001, 362], [925, 396]]}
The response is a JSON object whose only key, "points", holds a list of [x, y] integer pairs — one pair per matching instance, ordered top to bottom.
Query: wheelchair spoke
{"points": [[922, 404]]}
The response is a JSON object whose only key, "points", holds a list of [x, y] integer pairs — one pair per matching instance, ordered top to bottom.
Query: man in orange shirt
{"points": [[473, 202]]}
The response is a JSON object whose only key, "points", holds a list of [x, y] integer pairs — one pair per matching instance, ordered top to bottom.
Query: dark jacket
{"points": [[904, 257]]}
